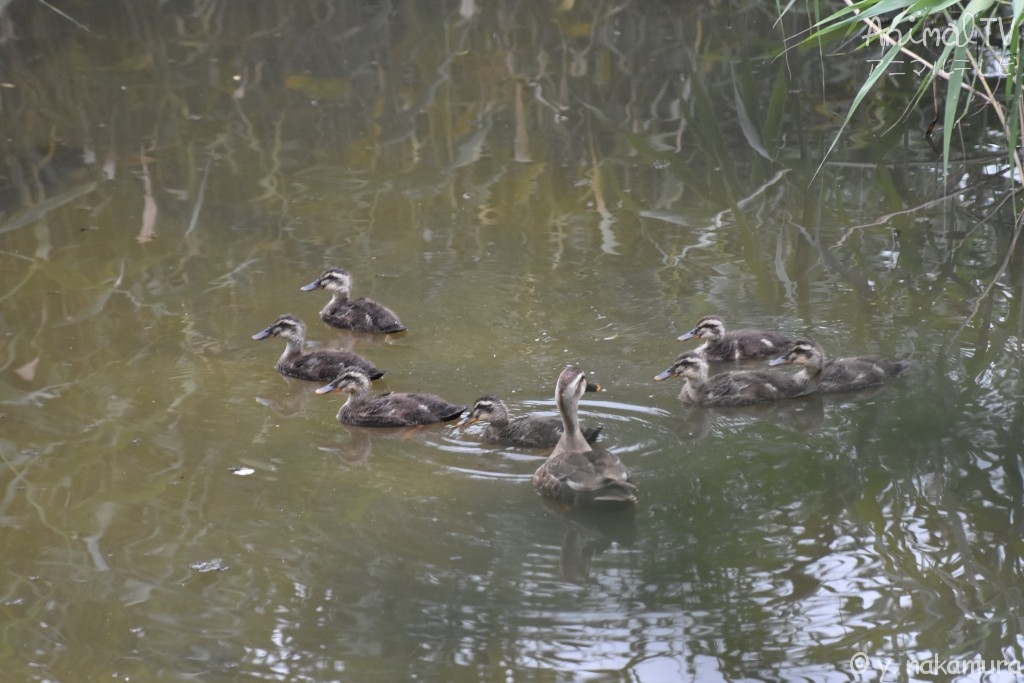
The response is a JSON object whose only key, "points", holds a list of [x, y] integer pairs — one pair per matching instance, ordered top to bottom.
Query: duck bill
{"points": [[315, 284], [262, 334], [688, 335], [781, 360], [662, 376], [592, 386], [327, 389], [465, 421]]}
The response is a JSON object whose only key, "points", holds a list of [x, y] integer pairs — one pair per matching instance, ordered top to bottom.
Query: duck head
{"points": [[335, 280], [286, 326], [709, 327], [802, 352], [689, 365], [353, 382], [571, 386], [486, 409]]}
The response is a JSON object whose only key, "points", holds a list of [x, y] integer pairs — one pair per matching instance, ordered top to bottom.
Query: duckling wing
{"points": [[363, 315], [753, 344], [326, 364], [891, 368], [843, 374], [744, 388], [407, 410], [529, 431], [591, 433]]}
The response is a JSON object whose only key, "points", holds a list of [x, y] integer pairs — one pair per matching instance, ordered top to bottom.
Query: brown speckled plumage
{"points": [[359, 315], [720, 345], [321, 365], [828, 376], [735, 388], [393, 409], [525, 431]]}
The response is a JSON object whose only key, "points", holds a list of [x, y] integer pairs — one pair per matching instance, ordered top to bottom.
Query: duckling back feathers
{"points": [[359, 315], [720, 345], [321, 365], [835, 375], [735, 388], [392, 409]]}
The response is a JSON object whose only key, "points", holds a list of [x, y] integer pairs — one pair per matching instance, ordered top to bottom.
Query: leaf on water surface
{"points": [[149, 210], [674, 218], [148, 231], [609, 243], [28, 371], [214, 565]]}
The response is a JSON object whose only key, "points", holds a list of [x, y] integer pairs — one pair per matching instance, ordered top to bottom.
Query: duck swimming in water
{"points": [[359, 315], [720, 345], [321, 365], [828, 376], [735, 388], [393, 409], [525, 431], [575, 473]]}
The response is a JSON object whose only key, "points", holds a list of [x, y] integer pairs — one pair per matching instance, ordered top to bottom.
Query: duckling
{"points": [[360, 315], [735, 345], [321, 365], [838, 374], [736, 388], [392, 409], [525, 431], [574, 473]]}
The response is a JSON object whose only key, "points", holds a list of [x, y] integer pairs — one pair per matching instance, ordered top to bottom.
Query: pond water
{"points": [[528, 185]]}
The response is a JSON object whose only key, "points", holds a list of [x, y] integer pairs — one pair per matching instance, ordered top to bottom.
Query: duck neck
{"points": [[338, 297], [292, 349], [811, 373], [694, 383], [690, 392], [357, 394], [355, 397], [572, 437]]}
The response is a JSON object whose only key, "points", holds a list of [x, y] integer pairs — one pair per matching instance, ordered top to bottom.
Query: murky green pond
{"points": [[528, 185]]}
